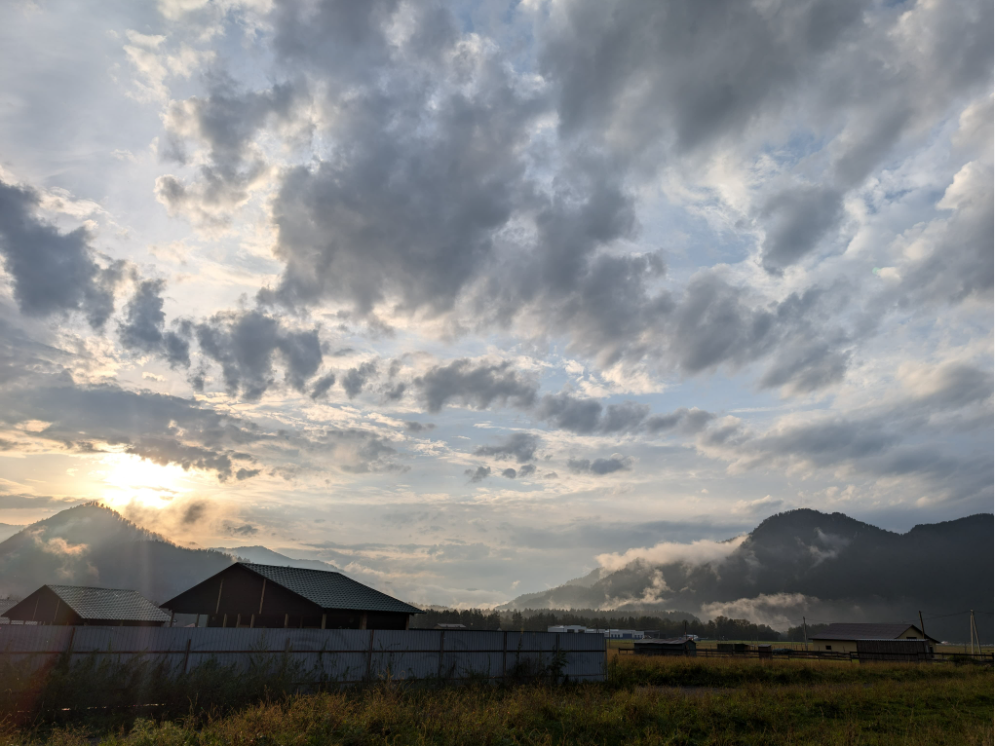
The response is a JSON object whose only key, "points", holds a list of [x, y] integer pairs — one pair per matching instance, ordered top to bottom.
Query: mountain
{"points": [[8, 529], [93, 545], [264, 556], [827, 567]]}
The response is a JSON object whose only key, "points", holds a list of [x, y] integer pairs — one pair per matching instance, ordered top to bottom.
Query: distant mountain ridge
{"points": [[94, 545], [264, 556], [805, 562]]}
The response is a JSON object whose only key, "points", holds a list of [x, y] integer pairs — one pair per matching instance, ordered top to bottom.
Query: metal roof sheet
{"points": [[331, 590], [109, 603], [862, 632]]}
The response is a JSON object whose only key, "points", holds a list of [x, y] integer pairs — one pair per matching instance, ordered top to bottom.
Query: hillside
{"points": [[93, 545], [265, 556], [828, 567]]}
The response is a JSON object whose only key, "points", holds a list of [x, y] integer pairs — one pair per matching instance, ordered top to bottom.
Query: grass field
{"points": [[646, 701]]}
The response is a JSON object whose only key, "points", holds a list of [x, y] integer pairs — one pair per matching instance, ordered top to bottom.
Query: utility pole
{"points": [[922, 627], [805, 631]]}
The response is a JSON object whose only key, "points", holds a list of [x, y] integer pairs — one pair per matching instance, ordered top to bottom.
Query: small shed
{"points": [[246, 594], [86, 606], [843, 638], [677, 646], [732, 647]]}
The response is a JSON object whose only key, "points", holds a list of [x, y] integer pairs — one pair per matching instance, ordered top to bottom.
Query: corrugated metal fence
{"points": [[343, 656]]}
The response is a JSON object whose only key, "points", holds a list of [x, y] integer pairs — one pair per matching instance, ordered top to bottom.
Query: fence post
{"points": [[442, 647], [369, 656], [504, 657], [186, 658]]}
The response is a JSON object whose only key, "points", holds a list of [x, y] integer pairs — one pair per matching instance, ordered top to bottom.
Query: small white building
{"points": [[568, 628], [611, 634]]}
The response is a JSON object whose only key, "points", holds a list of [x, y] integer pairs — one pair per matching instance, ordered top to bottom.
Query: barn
{"points": [[246, 594], [85, 606], [845, 638]]}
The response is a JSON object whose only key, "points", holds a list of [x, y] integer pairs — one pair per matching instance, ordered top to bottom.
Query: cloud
{"points": [[224, 124], [53, 273], [143, 329], [245, 344], [354, 381], [474, 384], [322, 385], [586, 416], [418, 427], [163, 429], [519, 446], [600, 466], [509, 473], [479, 474], [701, 552], [778, 610]]}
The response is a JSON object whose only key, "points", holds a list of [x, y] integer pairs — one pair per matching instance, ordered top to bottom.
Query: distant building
{"points": [[250, 595], [80, 605], [449, 626], [569, 629], [611, 634], [844, 638], [676, 646]]}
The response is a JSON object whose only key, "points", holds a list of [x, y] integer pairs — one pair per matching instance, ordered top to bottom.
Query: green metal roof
{"points": [[330, 590], [109, 603]]}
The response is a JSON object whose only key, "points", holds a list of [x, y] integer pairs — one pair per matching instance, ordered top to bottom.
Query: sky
{"points": [[472, 298]]}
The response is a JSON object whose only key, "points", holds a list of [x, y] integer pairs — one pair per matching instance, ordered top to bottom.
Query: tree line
{"points": [[538, 620]]}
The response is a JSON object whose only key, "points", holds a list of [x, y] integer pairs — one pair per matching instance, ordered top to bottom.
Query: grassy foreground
{"points": [[647, 701]]}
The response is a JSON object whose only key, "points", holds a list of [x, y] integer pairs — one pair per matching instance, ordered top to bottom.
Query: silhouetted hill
{"points": [[93, 545], [265, 556], [829, 567]]}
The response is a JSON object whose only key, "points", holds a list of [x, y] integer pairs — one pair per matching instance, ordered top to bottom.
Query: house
{"points": [[246, 594], [80, 605], [453, 626], [844, 638], [677, 646]]}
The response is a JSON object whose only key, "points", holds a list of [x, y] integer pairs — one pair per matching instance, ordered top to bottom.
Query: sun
{"points": [[129, 478]]}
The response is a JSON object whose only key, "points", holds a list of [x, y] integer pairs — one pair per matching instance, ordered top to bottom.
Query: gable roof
{"points": [[330, 590], [101, 604], [865, 632]]}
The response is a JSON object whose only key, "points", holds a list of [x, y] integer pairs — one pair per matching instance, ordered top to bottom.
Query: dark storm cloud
{"points": [[53, 272], [144, 330], [245, 345], [356, 378], [475, 385], [162, 429], [519, 446], [599, 466], [479, 474]]}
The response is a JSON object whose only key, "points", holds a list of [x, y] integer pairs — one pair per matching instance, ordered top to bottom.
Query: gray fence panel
{"points": [[317, 655]]}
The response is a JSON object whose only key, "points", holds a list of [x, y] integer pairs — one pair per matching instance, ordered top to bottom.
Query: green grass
{"points": [[646, 701]]}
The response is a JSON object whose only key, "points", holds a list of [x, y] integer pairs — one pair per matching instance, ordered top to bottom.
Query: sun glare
{"points": [[128, 478]]}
